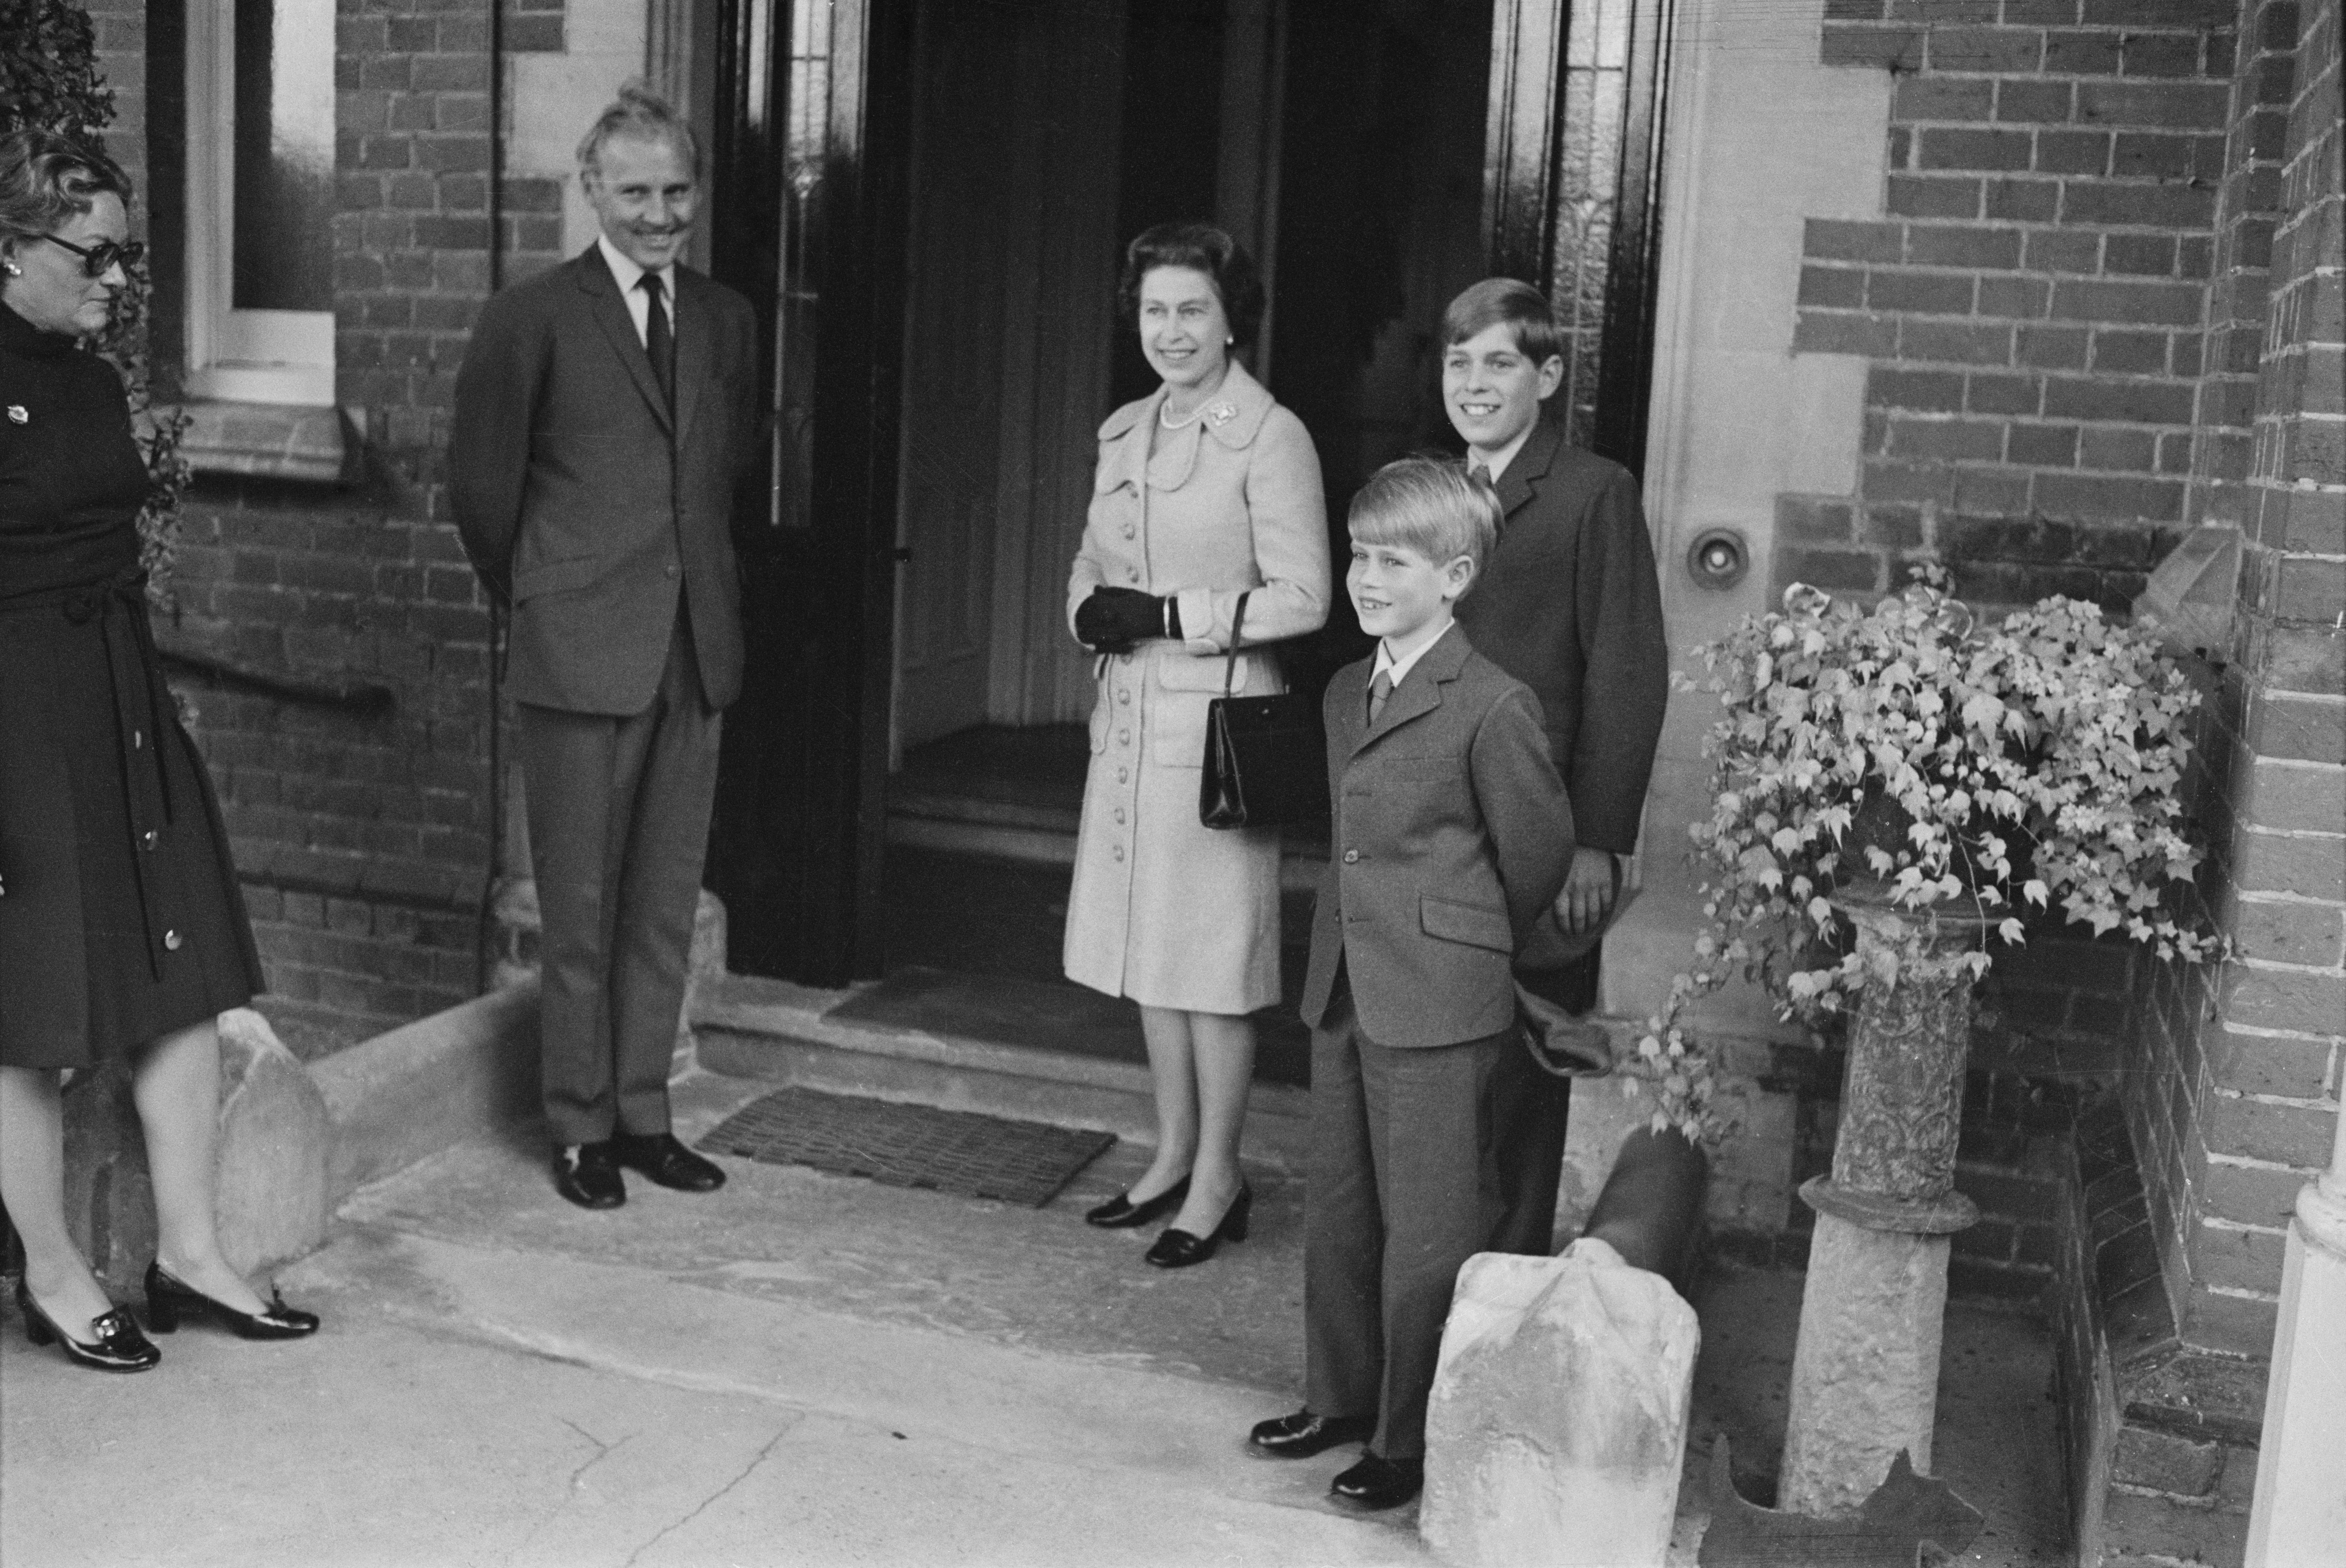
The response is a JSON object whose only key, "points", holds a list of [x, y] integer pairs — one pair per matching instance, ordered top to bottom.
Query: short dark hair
{"points": [[46, 177], [1201, 248], [1510, 301], [1430, 505]]}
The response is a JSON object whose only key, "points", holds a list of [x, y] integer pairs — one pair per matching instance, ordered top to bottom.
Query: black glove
{"points": [[1114, 619]]}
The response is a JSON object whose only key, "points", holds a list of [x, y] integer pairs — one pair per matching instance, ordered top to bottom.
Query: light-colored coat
{"points": [[1452, 834], [1164, 909]]}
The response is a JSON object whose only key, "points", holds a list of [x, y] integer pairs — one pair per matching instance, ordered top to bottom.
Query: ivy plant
{"points": [[49, 78], [2033, 764]]}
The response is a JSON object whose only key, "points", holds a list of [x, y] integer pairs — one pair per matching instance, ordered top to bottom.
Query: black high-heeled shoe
{"points": [[1120, 1211], [1178, 1250], [169, 1299], [120, 1346]]}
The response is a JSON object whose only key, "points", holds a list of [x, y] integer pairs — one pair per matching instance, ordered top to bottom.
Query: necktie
{"points": [[658, 342], [1481, 471], [1379, 690]]}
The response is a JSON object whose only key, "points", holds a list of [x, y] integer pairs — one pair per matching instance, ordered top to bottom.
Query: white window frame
{"points": [[237, 356]]}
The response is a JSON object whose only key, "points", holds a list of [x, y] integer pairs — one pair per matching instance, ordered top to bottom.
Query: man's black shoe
{"points": [[664, 1159], [588, 1177], [1303, 1434], [1379, 1483]]}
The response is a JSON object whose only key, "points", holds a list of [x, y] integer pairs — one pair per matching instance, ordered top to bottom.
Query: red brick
{"points": [[1885, 48], [1993, 49], [2081, 53], [1932, 98], [2032, 100], [1947, 148], [2160, 206], [2053, 250], [1833, 286], [1938, 294], [1838, 332], [1960, 343], [2052, 348], [1936, 391], [1988, 392], [2134, 402], [1948, 440], [2043, 445], [2119, 451], [2083, 496], [1809, 520], [1845, 570], [2288, 796], [2287, 999], [2270, 1064], [2252, 1194], [2232, 1259], [2163, 1462]]}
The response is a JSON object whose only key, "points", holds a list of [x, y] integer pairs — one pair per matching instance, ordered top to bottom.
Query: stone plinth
{"points": [[1865, 1376], [1558, 1427]]}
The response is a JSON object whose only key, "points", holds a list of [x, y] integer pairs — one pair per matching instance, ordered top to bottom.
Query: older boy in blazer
{"points": [[606, 414], [1570, 604], [1452, 835]]}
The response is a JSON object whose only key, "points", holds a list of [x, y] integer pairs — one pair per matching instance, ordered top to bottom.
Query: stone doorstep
{"points": [[750, 1027]]}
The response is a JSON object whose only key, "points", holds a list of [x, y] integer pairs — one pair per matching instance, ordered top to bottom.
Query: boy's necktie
{"points": [[660, 344], [1379, 690]]}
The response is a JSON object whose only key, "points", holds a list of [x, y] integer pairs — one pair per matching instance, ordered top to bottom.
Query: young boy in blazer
{"points": [[1452, 834]]}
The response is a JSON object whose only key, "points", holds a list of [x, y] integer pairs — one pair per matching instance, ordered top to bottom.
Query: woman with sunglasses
{"points": [[122, 933]]}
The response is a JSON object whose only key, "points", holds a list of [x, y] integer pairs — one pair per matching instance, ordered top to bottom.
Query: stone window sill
{"points": [[275, 440]]}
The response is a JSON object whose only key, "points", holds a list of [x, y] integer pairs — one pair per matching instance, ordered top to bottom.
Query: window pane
{"points": [[284, 155]]}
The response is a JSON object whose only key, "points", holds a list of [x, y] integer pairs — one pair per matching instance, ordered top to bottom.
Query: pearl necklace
{"points": [[1192, 417]]}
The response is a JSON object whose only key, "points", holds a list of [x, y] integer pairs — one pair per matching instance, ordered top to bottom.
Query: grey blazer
{"points": [[577, 506], [1452, 833]]}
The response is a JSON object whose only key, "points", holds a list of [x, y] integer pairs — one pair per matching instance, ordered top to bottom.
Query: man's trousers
{"points": [[618, 829], [1402, 1191]]}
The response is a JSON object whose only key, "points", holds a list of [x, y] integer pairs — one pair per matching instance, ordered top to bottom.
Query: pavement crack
{"points": [[603, 1451], [711, 1500]]}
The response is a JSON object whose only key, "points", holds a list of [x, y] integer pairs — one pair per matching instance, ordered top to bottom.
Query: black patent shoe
{"points": [[663, 1159], [588, 1175], [1120, 1211], [1179, 1250], [169, 1299], [120, 1346], [1305, 1434], [1379, 1483]]}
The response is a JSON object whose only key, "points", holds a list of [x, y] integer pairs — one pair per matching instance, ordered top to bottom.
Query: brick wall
{"points": [[2032, 301], [363, 836]]}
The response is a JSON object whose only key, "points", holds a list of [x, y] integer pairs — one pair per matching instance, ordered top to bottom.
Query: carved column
{"points": [[1865, 1375]]}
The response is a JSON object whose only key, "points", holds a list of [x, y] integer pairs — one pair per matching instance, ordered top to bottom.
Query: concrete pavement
{"points": [[802, 1368]]}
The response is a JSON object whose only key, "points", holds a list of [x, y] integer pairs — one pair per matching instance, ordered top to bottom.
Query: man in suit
{"points": [[604, 418], [1570, 606], [1453, 835]]}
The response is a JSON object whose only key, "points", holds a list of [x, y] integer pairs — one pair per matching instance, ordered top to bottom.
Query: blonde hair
{"points": [[1430, 505]]}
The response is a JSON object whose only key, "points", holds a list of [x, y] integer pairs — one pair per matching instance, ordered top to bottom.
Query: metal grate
{"points": [[957, 1151]]}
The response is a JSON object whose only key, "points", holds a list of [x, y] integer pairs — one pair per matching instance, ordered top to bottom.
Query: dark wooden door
{"points": [[808, 222]]}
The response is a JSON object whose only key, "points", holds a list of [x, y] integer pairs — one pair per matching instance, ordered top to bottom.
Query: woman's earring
{"points": [[12, 269]]}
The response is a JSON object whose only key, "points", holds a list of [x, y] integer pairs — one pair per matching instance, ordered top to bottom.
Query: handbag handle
{"points": [[1231, 665]]}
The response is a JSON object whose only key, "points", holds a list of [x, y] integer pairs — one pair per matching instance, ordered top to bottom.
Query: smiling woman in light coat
{"points": [[1206, 489]]}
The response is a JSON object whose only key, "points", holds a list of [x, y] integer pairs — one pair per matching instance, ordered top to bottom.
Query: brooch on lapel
{"points": [[1221, 413], [18, 415]]}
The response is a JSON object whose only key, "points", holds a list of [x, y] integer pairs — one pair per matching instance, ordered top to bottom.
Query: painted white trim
{"points": [[236, 356]]}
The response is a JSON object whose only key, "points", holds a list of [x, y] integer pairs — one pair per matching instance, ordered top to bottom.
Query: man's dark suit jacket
{"points": [[574, 504], [1569, 604], [1451, 834]]}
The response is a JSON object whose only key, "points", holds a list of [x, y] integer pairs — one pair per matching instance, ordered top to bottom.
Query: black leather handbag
{"points": [[1266, 756]]}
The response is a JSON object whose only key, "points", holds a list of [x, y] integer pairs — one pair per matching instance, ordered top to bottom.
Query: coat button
{"points": [[1131, 531], [671, 568], [1132, 574], [1123, 696], [138, 738], [1124, 738], [1124, 775], [1120, 814], [147, 838], [1119, 851], [1351, 855], [171, 941]]}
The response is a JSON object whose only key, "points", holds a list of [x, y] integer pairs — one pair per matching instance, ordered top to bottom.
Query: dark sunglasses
{"points": [[96, 260]]}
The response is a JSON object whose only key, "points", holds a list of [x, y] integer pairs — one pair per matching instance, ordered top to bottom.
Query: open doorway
{"points": [[1342, 143]]}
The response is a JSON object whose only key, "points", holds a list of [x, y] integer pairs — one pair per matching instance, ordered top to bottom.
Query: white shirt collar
{"points": [[623, 268], [1498, 465], [1399, 667]]}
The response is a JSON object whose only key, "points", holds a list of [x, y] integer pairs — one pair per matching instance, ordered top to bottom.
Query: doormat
{"points": [[957, 1151]]}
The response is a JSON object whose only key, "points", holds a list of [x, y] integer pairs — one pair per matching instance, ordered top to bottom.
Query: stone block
{"points": [[274, 1139], [269, 1193], [1558, 1428]]}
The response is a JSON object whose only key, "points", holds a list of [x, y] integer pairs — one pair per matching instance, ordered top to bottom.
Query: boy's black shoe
{"points": [[1303, 1434], [1379, 1483]]}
